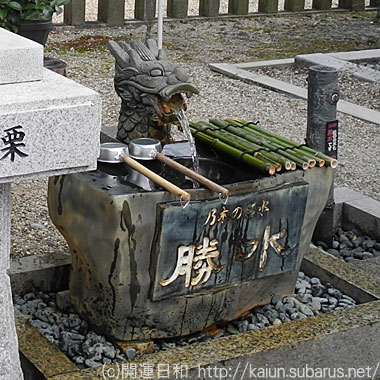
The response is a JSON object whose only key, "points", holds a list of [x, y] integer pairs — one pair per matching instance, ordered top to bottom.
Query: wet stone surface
{"points": [[350, 247], [88, 349]]}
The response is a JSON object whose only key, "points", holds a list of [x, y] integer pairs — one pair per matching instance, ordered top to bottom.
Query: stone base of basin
{"points": [[345, 339]]}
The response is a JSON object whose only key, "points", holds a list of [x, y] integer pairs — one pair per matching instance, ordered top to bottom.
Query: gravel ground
{"points": [[195, 44]]}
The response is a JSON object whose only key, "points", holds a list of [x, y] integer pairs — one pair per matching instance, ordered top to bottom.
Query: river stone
{"points": [[369, 243], [322, 245], [333, 252], [335, 293], [344, 296], [276, 299], [288, 300], [315, 305], [304, 309], [294, 316], [283, 317], [261, 318], [40, 325], [243, 326], [231, 329], [109, 351], [130, 353]]}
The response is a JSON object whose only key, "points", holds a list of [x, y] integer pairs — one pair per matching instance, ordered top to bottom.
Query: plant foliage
{"points": [[14, 12]]}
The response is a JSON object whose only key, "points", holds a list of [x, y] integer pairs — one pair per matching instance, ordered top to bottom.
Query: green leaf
{"points": [[62, 2], [15, 5], [29, 6], [3, 14], [31, 14]]}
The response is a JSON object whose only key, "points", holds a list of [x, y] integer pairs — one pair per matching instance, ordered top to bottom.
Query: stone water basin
{"points": [[144, 267]]}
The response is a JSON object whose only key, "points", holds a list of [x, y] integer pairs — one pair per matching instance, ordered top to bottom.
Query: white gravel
{"points": [[194, 45]]}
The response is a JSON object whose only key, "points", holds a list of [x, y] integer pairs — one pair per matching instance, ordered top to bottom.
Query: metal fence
{"points": [[117, 12]]}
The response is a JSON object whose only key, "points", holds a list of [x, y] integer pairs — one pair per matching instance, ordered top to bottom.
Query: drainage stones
{"points": [[350, 247], [312, 297], [69, 332], [87, 349]]}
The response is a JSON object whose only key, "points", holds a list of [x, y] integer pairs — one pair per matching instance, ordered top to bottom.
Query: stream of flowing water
{"points": [[182, 118]]}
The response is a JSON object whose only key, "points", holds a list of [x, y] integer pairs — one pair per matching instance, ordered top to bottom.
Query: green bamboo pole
{"points": [[261, 141], [240, 143], [277, 143], [237, 153], [312, 160], [329, 160]]}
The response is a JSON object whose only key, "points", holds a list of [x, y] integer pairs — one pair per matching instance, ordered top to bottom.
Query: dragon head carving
{"points": [[151, 90]]}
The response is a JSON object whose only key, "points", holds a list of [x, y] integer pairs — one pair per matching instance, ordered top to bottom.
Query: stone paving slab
{"points": [[358, 55], [261, 64], [360, 72], [246, 76], [357, 211], [369, 266], [46, 272], [46, 357]]}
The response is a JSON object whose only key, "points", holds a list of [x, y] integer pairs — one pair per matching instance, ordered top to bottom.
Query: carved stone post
{"points": [[322, 4], [294, 5], [352, 5], [268, 6], [238, 7], [178, 8], [209, 8], [145, 9], [111, 12], [74, 13], [322, 130], [9, 357]]}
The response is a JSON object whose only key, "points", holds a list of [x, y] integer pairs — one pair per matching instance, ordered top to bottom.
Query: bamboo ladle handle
{"points": [[192, 174], [156, 178]]}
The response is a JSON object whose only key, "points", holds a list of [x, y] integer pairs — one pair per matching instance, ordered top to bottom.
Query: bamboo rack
{"points": [[266, 151]]}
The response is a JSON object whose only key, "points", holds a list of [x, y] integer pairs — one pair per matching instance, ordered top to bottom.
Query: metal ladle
{"points": [[148, 149], [114, 152]]}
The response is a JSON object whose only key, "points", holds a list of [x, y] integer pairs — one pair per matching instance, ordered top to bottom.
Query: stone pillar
{"points": [[322, 4], [294, 5], [352, 5], [268, 6], [238, 7], [178, 8], [209, 8], [145, 9], [74, 12], [111, 12], [323, 95], [41, 114], [9, 357]]}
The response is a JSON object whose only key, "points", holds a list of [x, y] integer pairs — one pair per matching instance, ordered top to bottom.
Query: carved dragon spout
{"points": [[151, 89]]}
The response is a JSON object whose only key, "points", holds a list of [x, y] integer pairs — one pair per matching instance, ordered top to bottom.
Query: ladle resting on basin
{"points": [[150, 149], [117, 152]]}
